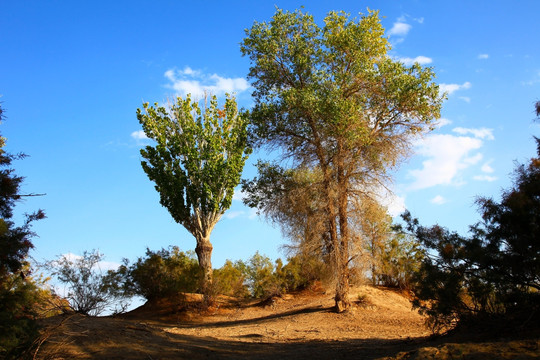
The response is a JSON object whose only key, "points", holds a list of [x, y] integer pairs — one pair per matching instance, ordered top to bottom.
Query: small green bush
{"points": [[400, 258], [299, 272], [162, 273], [260, 276], [230, 280], [23, 299]]}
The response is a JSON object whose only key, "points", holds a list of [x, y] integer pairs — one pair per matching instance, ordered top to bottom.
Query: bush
{"points": [[400, 258], [299, 272], [162, 273], [260, 277], [230, 279], [90, 292], [23, 299]]}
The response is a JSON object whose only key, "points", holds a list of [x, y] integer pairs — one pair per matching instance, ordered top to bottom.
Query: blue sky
{"points": [[73, 73]]}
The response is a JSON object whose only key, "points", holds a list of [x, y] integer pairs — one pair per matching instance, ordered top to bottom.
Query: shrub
{"points": [[400, 259], [299, 272], [162, 273], [260, 277], [230, 279], [89, 290], [23, 299]]}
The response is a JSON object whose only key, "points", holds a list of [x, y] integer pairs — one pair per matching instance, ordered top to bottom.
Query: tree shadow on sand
{"points": [[98, 338]]}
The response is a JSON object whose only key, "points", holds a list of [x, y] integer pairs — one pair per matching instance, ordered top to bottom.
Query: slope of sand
{"points": [[297, 326]]}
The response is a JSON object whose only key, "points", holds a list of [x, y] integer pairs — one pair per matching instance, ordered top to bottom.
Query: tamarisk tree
{"points": [[332, 100], [196, 163]]}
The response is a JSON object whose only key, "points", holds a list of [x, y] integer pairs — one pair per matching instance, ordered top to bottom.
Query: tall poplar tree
{"points": [[332, 100], [196, 163]]}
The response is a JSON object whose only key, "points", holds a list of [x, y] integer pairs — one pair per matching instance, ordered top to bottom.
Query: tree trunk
{"points": [[204, 254], [342, 285], [341, 298]]}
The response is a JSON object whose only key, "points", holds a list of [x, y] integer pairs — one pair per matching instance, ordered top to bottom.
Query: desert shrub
{"points": [[400, 258], [299, 272], [162, 273], [260, 277], [230, 279], [264, 279], [89, 289], [23, 299]]}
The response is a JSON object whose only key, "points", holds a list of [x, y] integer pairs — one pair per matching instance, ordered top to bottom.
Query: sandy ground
{"points": [[298, 326]]}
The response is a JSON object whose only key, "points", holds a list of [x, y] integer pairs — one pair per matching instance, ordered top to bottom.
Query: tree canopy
{"points": [[332, 100], [196, 163]]}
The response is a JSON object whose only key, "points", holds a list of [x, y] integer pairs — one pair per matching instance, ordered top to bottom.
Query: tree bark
{"points": [[204, 254], [342, 286], [341, 298]]}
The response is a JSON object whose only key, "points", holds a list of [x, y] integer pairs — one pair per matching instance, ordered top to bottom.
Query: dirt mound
{"points": [[299, 326]]}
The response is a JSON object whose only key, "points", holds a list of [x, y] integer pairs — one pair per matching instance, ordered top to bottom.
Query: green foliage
{"points": [[336, 104], [198, 157], [196, 163], [15, 241], [400, 258], [300, 272], [493, 272], [162, 274], [260, 277], [230, 279], [265, 279], [89, 290], [19, 294], [19, 299]]}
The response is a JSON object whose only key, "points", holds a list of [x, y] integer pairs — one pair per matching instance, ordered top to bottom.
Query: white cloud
{"points": [[399, 28], [483, 56], [422, 60], [189, 71], [196, 83], [451, 88], [465, 98], [442, 122], [482, 133], [139, 135], [447, 155], [473, 160], [487, 168], [485, 178], [238, 195], [438, 200], [393, 202], [249, 213], [233, 214], [102, 265]]}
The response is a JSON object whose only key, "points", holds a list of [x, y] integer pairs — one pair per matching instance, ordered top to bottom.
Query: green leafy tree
{"points": [[332, 100], [196, 163]]}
